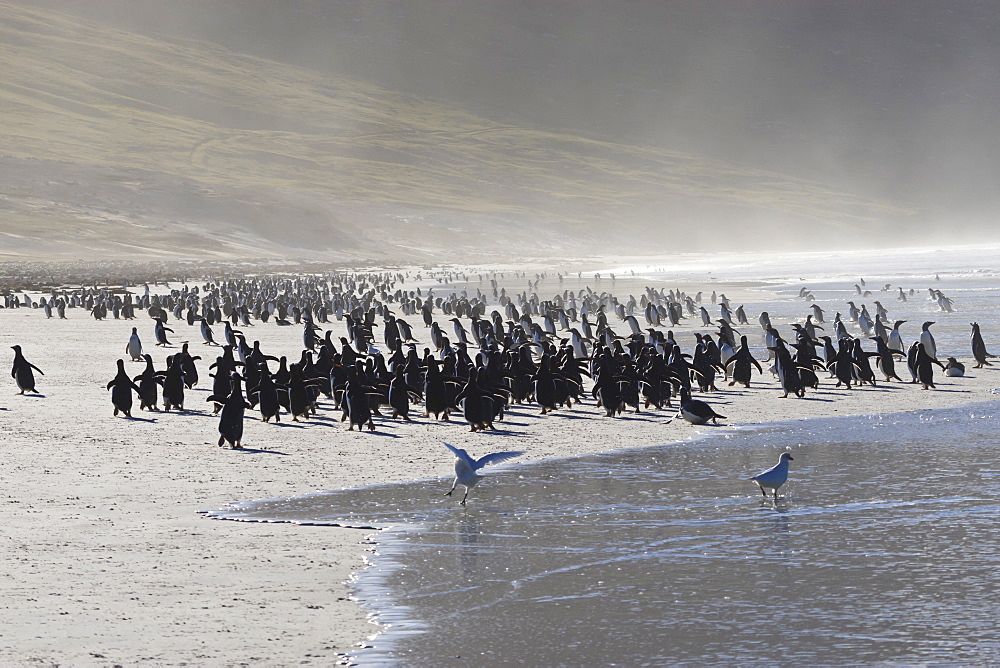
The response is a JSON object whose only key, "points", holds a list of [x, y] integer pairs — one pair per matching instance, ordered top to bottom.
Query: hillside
{"points": [[125, 143]]}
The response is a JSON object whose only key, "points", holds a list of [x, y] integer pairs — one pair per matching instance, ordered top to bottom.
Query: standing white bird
{"points": [[466, 467], [774, 477]]}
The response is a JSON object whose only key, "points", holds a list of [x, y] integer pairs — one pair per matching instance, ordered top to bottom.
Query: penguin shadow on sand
{"points": [[938, 387], [814, 397], [188, 412], [571, 416], [645, 416], [136, 418], [333, 420], [291, 425], [383, 427], [380, 431], [498, 431], [258, 451]]}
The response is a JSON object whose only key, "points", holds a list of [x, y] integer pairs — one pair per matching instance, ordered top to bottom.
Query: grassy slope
{"points": [[174, 142]]}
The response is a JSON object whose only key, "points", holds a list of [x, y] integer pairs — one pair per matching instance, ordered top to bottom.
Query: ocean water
{"points": [[884, 546]]}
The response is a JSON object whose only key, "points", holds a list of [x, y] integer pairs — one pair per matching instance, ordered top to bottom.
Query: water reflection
{"points": [[468, 533]]}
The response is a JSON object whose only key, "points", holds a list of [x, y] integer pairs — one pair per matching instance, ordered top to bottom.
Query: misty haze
{"points": [[402, 130], [499, 332]]}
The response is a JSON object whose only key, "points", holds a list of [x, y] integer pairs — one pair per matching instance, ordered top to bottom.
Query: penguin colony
{"points": [[553, 352]]}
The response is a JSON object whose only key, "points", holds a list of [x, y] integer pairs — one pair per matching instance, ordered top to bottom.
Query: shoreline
{"points": [[142, 577], [390, 614]]}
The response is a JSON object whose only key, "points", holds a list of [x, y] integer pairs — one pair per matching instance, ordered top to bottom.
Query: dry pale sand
{"points": [[107, 560]]}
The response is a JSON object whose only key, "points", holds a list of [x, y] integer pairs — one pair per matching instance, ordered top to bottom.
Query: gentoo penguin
{"points": [[944, 303], [853, 312], [880, 312], [725, 313], [817, 313], [706, 318], [764, 319], [810, 327], [839, 329], [880, 330], [160, 332], [206, 333], [461, 335], [927, 339], [895, 341], [134, 346], [979, 347], [884, 359], [911, 360], [742, 362], [843, 364], [188, 367], [925, 367], [954, 368], [787, 371], [21, 372], [148, 381], [173, 384], [544, 384], [121, 387], [400, 394], [266, 395], [437, 398], [476, 405], [357, 407], [233, 408], [695, 411], [774, 477]]}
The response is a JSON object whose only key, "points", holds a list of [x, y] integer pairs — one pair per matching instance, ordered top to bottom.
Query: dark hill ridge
{"points": [[117, 140]]}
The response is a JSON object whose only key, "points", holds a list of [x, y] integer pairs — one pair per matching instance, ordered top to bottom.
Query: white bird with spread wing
{"points": [[466, 467]]}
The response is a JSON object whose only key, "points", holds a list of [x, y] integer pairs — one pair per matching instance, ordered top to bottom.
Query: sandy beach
{"points": [[108, 560]]}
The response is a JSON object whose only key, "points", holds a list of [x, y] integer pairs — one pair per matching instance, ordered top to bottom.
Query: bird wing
{"points": [[462, 454], [496, 458], [773, 474]]}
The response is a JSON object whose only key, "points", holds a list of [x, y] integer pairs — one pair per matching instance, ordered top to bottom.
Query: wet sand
{"points": [[109, 562]]}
